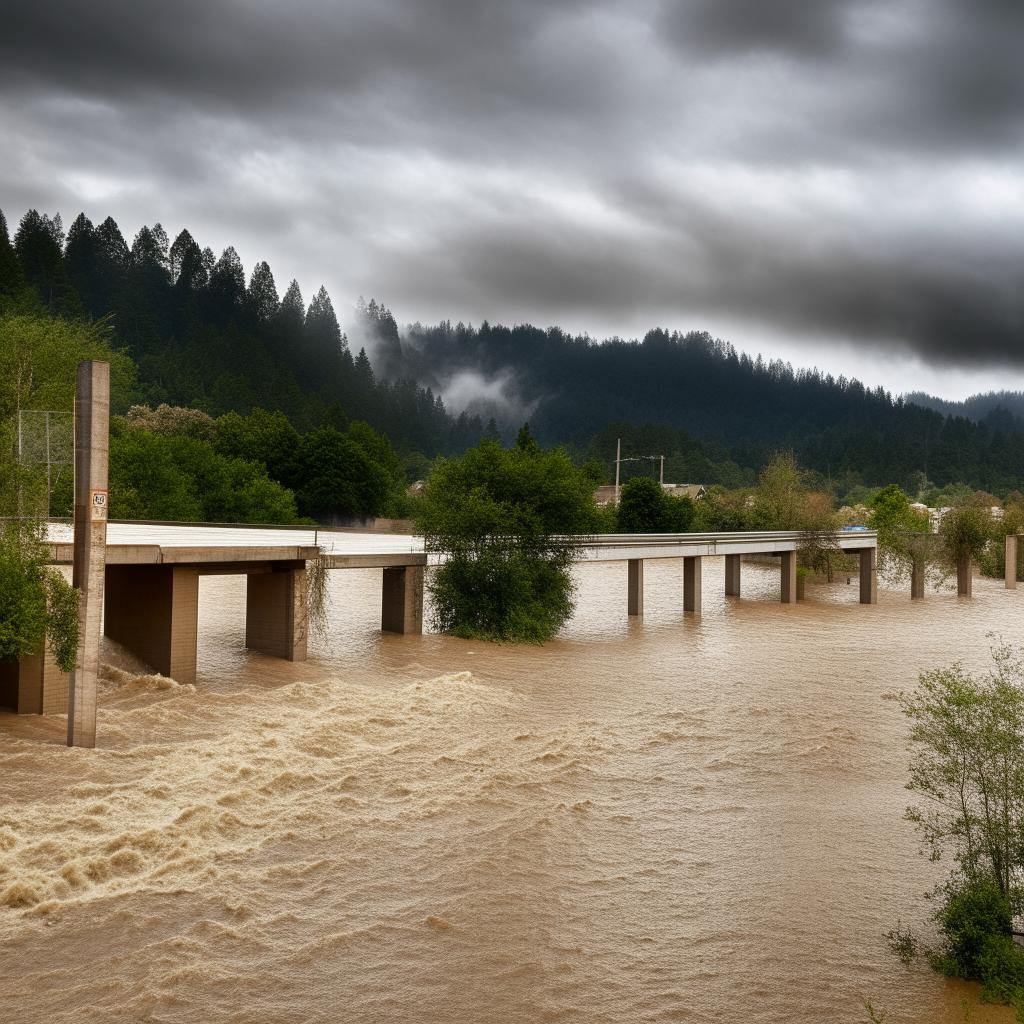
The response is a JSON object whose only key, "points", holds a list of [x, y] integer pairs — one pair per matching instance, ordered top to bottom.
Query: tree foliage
{"points": [[644, 507], [506, 523], [967, 771]]}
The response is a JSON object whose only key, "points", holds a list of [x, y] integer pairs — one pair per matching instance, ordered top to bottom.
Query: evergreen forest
{"points": [[203, 335]]}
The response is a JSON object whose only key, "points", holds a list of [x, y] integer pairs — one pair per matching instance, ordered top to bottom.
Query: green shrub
{"points": [[507, 524]]}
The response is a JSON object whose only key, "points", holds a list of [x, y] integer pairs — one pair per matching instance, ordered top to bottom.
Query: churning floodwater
{"points": [[666, 820]]}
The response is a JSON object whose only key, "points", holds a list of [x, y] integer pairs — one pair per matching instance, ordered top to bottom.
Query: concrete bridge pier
{"points": [[788, 573], [1010, 573], [732, 575], [868, 575], [963, 576], [692, 579], [916, 580], [635, 586], [402, 599], [153, 610], [276, 618], [34, 685]]}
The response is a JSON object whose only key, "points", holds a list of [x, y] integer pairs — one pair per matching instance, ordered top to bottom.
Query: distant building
{"points": [[693, 491], [605, 494]]}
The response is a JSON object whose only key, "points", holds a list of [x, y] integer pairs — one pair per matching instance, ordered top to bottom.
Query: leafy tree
{"points": [[38, 360], [172, 421], [265, 437], [181, 478], [336, 478], [644, 507], [507, 524], [965, 531], [904, 538], [37, 605], [967, 769]]}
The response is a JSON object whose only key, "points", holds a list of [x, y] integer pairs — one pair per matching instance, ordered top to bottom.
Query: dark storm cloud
{"points": [[718, 26], [830, 169]]}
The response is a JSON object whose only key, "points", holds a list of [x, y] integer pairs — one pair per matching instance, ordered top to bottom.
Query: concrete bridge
{"points": [[151, 587]]}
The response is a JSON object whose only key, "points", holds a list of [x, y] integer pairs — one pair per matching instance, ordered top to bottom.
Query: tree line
{"points": [[201, 336]]}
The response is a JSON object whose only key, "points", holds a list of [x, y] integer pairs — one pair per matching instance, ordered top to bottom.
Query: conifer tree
{"points": [[38, 244], [84, 270], [11, 279], [227, 284], [262, 298]]}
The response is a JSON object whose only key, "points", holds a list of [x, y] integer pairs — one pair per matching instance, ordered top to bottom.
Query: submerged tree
{"points": [[507, 524]]}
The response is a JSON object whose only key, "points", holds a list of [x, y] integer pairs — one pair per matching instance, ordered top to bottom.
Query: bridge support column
{"points": [[1011, 561], [788, 572], [732, 575], [869, 576], [963, 576], [917, 580], [692, 584], [635, 586], [402, 600], [153, 610], [276, 613], [34, 685]]}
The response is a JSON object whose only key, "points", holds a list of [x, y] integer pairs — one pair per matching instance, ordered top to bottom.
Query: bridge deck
{"points": [[223, 546]]}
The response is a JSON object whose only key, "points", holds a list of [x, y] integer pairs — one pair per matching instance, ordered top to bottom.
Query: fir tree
{"points": [[262, 299]]}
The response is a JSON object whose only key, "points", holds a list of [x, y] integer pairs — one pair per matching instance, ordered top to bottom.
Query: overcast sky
{"points": [[838, 183]]}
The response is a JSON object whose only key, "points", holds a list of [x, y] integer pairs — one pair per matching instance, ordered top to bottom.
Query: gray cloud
{"points": [[847, 169]]}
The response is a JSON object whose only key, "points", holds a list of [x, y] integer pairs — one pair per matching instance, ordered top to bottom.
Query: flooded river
{"points": [[666, 820]]}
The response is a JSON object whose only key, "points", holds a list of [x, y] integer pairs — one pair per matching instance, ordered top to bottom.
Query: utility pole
{"points": [[92, 442], [618, 459], [661, 477]]}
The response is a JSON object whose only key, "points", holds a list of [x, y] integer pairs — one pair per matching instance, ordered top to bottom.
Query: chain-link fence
{"points": [[46, 442]]}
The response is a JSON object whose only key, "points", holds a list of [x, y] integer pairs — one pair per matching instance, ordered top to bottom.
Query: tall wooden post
{"points": [[92, 437], [1010, 574]]}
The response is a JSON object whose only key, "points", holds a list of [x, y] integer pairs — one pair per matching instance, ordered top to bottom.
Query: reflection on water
{"points": [[666, 820]]}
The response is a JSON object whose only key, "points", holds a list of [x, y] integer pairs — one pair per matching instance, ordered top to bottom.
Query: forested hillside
{"points": [[203, 336], [741, 408], [1004, 408]]}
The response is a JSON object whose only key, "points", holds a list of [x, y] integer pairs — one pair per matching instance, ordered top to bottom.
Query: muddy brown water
{"points": [[666, 820]]}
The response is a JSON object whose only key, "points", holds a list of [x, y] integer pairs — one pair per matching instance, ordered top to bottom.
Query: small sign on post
{"points": [[92, 441]]}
